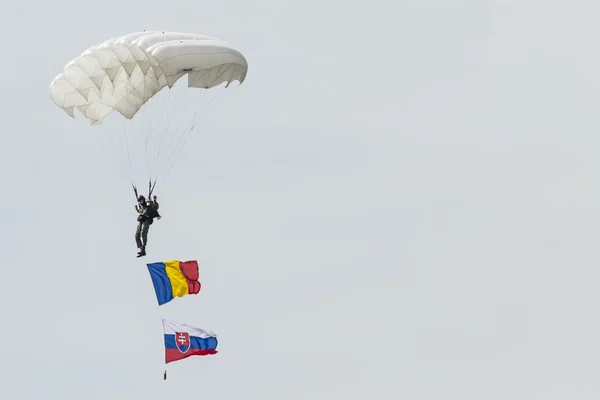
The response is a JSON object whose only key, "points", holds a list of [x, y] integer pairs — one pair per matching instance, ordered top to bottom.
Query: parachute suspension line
{"points": [[165, 100], [154, 124], [165, 126], [168, 129], [163, 130], [150, 131], [176, 131], [158, 132], [185, 132], [144, 133], [144, 136], [122, 139], [119, 140], [158, 145], [179, 146], [110, 156], [116, 157], [131, 174]]}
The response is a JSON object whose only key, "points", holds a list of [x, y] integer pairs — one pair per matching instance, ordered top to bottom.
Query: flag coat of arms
{"points": [[174, 279], [182, 341]]}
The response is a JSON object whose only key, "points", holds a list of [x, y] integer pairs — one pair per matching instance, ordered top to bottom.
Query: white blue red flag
{"points": [[182, 341]]}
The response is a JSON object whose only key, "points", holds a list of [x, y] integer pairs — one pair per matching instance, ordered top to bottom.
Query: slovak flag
{"points": [[182, 341]]}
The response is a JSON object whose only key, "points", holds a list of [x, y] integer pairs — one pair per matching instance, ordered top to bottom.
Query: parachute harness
{"points": [[150, 189]]}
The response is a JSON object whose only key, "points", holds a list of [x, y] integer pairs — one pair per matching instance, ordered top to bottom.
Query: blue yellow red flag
{"points": [[174, 279]]}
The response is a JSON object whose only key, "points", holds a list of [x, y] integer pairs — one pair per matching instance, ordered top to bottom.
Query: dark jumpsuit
{"points": [[144, 222]]}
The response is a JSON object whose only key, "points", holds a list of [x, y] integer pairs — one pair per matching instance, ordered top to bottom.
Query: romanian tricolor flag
{"points": [[174, 279]]}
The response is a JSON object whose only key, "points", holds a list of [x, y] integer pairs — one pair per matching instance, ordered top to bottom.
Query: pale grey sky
{"points": [[401, 202]]}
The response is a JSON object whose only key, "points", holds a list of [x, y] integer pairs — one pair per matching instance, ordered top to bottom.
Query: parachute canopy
{"points": [[123, 73]]}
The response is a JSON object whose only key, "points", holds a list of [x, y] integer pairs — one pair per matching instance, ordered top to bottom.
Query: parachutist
{"points": [[147, 211]]}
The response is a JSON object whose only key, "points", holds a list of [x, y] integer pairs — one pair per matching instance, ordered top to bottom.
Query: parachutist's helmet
{"points": [[141, 199]]}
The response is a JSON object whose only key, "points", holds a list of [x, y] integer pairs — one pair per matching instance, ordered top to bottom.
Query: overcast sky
{"points": [[401, 202]]}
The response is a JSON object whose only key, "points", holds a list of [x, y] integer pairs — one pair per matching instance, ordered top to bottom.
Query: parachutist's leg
{"points": [[145, 228], [138, 234], [141, 237]]}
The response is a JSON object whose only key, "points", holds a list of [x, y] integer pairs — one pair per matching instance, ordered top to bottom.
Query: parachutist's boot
{"points": [[142, 252]]}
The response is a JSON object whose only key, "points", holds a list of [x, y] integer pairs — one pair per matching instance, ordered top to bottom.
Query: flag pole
{"points": [[165, 374]]}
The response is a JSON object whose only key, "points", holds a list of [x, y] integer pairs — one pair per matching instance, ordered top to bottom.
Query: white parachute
{"points": [[124, 73]]}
